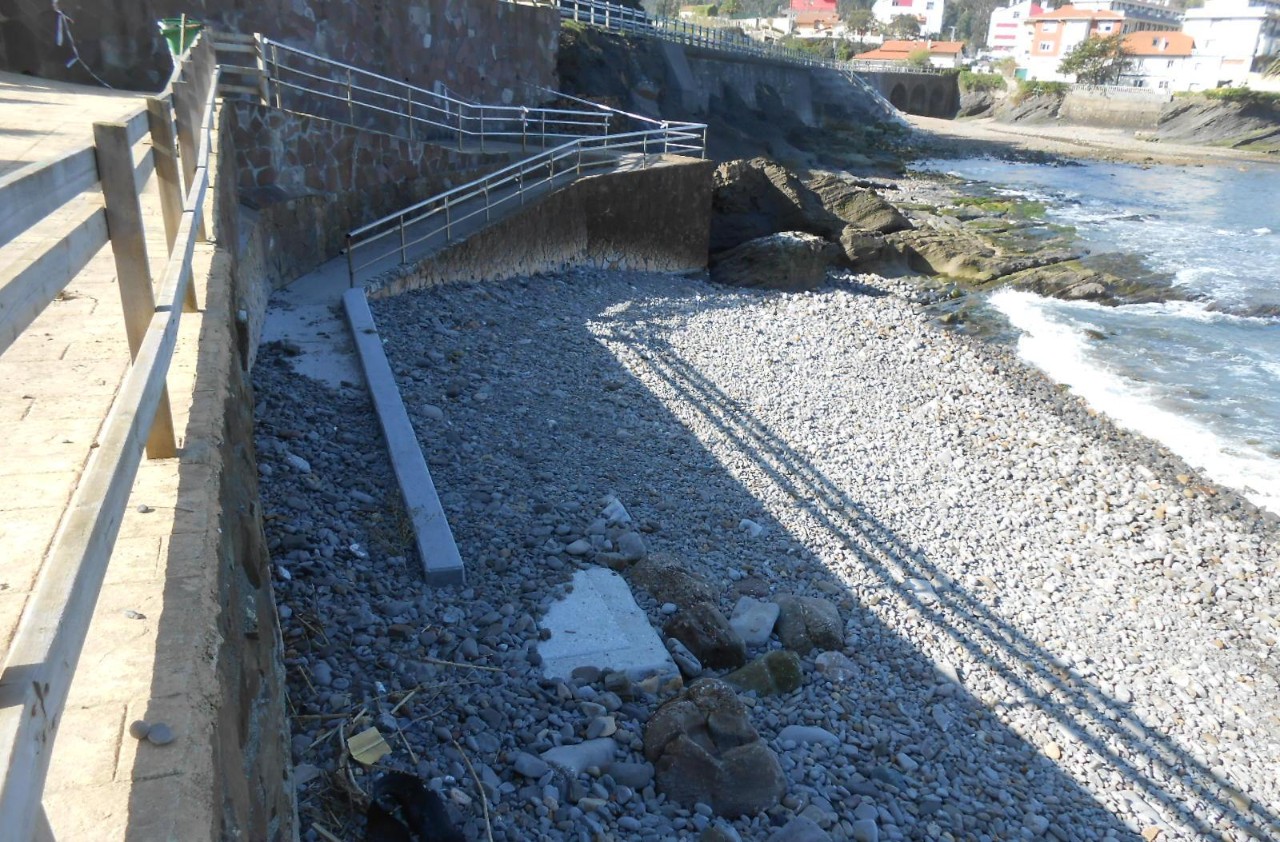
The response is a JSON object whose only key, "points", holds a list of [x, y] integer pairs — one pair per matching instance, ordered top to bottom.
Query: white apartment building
{"points": [[928, 12], [1139, 15], [1238, 32], [1055, 34], [1007, 36]]}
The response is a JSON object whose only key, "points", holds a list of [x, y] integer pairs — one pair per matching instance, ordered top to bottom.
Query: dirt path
{"points": [[986, 136]]}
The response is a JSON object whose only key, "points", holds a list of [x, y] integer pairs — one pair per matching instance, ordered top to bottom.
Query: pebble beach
{"points": [[1051, 628]]}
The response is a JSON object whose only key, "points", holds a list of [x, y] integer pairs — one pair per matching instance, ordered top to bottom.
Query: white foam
{"points": [[1061, 352]]}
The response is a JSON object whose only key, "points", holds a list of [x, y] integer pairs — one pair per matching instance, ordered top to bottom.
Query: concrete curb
{"points": [[440, 559]]}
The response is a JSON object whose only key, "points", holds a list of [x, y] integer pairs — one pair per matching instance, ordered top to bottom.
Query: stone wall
{"points": [[480, 48], [760, 84], [1113, 109], [306, 182], [656, 219]]}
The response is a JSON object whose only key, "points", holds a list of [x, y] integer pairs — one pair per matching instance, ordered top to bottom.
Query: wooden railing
{"points": [[96, 190]]}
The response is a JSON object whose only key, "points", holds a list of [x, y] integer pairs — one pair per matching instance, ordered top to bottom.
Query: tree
{"points": [[969, 19], [860, 21], [903, 26], [919, 58], [1097, 61]]}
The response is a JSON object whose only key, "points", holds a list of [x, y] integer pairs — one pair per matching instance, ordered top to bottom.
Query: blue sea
{"points": [[1201, 377]]}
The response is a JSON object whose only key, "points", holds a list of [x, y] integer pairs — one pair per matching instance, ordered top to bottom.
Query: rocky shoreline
{"points": [[1048, 627]]}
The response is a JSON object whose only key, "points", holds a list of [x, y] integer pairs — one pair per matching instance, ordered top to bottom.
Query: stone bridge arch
{"points": [[918, 93]]}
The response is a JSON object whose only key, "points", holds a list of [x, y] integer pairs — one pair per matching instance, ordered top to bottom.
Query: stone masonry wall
{"points": [[482, 49], [308, 181], [652, 220]]}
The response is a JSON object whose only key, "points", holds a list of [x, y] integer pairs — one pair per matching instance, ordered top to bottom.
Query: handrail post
{"points": [[260, 57], [275, 65], [409, 100], [351, 108], [544, 129], [164, 147], [644, 150], [486, 203], [448, 221], [404, 245], [351, 264], [133, 272]]}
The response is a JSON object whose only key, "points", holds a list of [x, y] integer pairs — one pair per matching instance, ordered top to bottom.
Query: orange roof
{"points": [[1072, 13], [810, 18], [1158, 44], [899, 50]]}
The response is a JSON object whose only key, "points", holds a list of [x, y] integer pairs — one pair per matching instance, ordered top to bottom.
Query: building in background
{"points": [[927, 12], [1139, 15], [1238, 32], [1056, 33], [1007, 35], [943, 54], [1167, 61]]}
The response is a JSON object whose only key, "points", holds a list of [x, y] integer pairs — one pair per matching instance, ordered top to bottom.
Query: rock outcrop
{"points": [[757, 197], [790, 260]]}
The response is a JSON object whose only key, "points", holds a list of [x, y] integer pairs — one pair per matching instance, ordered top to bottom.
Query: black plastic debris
{"points": [[403, 809]]}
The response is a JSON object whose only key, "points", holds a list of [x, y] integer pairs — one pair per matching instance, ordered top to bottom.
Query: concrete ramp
{"points": [[693, 97]]}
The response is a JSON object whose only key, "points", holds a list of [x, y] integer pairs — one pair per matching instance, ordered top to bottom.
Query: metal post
{"points": [[275, 68], [409, 100], [351, 109], [482, 128], [524, 129], [544, 129], [666, 137], [704, 143], [644, 151], [579, 158], [486, 203], [448, 222], [404, 249], [351, 266]]}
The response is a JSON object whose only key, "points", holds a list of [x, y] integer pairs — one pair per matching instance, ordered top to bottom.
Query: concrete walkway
{"points": [[57, 384]]}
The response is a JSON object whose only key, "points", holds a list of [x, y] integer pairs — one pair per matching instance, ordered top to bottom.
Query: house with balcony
{"points": [[1056, 33], [1006, 35], [1167, 61]]}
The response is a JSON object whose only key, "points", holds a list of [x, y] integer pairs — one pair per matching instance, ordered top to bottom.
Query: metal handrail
{"points": [[605, 15], [352, 93], [413, 225]]}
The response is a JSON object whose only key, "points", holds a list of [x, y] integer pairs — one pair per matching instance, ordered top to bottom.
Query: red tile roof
{"points": [[1158, 44], [899, 50]]}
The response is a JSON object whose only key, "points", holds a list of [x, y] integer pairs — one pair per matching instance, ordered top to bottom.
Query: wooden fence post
{"points": [[186, 105], [165, 148], [133, 272]]}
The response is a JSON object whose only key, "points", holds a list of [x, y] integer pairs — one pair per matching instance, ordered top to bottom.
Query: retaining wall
{"points": [[481, 48], [763, 85], [1113, 109], [308, 181], [656, 219]]}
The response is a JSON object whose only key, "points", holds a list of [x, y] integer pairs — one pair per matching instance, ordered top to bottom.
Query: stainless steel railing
{"points": [[605, 15], [301, 81], [397, 238]]}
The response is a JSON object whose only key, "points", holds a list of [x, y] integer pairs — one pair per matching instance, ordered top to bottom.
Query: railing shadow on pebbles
{"points": [[607, 336], [1106, 726]]}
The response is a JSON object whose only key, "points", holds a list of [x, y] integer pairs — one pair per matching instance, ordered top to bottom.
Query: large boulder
{"points": [[757, 197], [855, 205], [860, 246], [792, 260], [667, 580], [806, 623], [708, 635], [778, 671], [705, 750]]}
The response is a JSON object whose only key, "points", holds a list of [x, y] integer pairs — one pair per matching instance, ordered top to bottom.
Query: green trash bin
{"points": [[179, 32]]}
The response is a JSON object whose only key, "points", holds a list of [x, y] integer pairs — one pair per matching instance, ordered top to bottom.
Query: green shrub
{"points": [[972, 83], [1029, 89], [1244, 96]]}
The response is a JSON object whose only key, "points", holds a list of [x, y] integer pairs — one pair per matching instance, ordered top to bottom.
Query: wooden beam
{"points": [[164, 147], [33, 192], [129, 247], [30, 283]]}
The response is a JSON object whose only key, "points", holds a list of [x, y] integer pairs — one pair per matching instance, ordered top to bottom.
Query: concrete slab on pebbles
{"points": [[600, 625]]}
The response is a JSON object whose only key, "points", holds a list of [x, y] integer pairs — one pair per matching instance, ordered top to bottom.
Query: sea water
{"points": [[1202, 377]]}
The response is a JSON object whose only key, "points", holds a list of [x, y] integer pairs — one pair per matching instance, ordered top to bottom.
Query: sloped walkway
{"points": [[57, 384]]}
